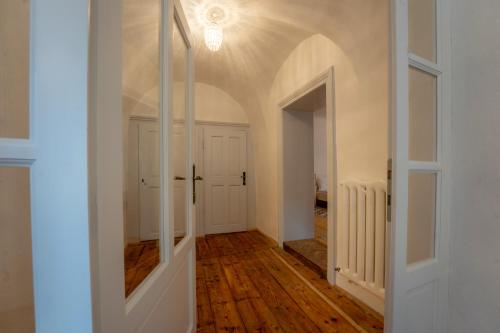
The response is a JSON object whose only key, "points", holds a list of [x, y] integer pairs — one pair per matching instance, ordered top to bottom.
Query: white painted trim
{"points": [[325, 78], [144, 118], [221, 123], [15, 152]]}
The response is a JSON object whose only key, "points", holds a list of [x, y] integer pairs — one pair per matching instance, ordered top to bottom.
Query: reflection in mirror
{"points": [[14, 69], [142, 153], [181, 172], [16, 272]]}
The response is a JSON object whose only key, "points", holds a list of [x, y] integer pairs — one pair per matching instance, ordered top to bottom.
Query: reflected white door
{"points": [[180, 179], [226, 179], [149, 180], [417, 293]]}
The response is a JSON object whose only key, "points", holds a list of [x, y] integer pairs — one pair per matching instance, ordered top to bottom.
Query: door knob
{"points": [[179, 178], [198, 178]]}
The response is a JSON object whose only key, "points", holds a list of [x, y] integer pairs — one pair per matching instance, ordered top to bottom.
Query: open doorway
{"points": [[305, 195]]}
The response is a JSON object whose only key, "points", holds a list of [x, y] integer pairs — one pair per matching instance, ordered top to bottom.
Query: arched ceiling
{"points": [[262, 33], [258, 37]]}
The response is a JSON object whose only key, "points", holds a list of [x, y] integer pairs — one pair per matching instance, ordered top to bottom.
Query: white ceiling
{"points": [[258, 37]]}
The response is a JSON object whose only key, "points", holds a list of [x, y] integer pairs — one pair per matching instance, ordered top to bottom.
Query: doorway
{"points": [[309, 174], [306, 180]]}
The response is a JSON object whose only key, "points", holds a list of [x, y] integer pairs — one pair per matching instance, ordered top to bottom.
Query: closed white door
{"points": [[226, 179], [149, 180], [180, 180], [417, 293]]}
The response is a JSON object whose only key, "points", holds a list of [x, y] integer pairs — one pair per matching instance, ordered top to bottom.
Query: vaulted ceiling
{"points": [[258, 37]]}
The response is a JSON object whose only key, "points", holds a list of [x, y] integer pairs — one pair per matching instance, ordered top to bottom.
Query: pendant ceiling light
{"points": [[213, 30], [213, 37]]}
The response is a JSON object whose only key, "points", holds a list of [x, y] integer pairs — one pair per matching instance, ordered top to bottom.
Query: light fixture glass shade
{"points": [[213, 37]]}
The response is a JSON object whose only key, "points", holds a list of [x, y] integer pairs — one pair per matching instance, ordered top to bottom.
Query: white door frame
{"points": [[326, 78], [401, 278], [112, 312]]}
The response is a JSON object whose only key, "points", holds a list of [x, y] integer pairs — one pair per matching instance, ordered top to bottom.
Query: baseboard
{"points": [[375, 302]]}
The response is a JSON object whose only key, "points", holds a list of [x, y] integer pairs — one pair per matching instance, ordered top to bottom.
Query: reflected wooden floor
{"points": [[140, 260], [246, 284]]}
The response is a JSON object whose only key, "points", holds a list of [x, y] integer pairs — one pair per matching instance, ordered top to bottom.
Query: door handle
{"points": [[244, 177], [179, 178], [195, 178]]}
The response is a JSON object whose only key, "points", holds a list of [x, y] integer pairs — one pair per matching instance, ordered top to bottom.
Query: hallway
{"points": [[245, 283]]}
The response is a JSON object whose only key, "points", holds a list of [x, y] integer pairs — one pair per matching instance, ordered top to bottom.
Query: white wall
{"points": [[214, 104], [361, 107], [319, 123], [298, 177], [475, 193]]}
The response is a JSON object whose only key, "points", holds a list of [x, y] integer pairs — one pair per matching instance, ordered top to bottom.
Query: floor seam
{"points": [[320, 294]]}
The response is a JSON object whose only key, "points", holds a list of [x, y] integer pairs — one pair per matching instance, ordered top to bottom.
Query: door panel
{"points": [[150, 176], [225, 192], [417, 291], [165, 300]]}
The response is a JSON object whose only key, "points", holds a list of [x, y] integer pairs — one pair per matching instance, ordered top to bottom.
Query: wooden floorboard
{"points": [[244, 284]]}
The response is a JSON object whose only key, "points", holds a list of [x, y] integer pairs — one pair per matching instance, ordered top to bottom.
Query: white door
{"points": [[226, 179], [149, 180], [180, 180], [417, 293], [165, 300]]}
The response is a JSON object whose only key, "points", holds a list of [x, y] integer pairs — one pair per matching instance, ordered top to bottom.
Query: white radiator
{"points": [[362, 234]]}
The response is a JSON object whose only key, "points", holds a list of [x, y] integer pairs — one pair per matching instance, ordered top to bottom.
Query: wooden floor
{"points": [[246, 284]]}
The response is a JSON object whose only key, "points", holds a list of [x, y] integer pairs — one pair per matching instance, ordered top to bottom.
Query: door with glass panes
{"points": [[417, 293]]}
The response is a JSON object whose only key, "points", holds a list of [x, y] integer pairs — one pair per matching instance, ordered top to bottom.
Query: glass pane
{"points": [[422, 28], [14, 69], [423, 116], [142, 145], [181, 183], [421, 216], [16, 268]]}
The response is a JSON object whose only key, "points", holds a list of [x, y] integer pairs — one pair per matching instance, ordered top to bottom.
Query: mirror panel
{"points": [[422, 31], [14, 69], [422, 116], [142, 140], [180, 140], [421, 216], [16, 263]]}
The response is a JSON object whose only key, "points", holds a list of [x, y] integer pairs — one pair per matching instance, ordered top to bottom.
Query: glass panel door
{"points": [[142, 114], [180, 140], [417, 280]]}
